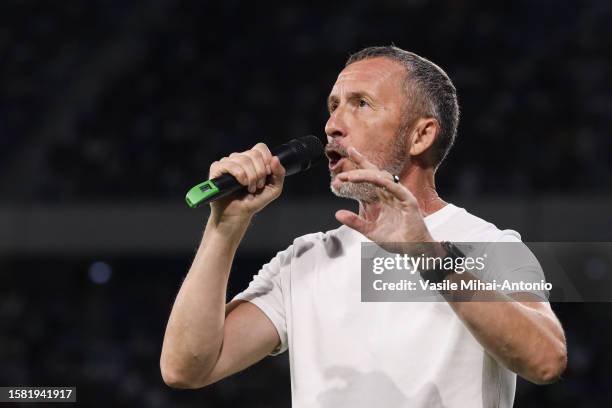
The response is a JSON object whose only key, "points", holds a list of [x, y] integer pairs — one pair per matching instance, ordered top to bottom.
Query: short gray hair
{"points": [[429, 89]]}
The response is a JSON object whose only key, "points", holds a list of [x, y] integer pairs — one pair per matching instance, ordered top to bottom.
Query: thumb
{"points": [[351, 220]]}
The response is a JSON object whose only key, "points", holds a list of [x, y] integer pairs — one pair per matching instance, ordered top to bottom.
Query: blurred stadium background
{"points": [[111, 110]]}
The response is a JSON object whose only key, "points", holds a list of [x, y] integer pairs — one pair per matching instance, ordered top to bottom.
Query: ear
{"points": [[424, 135]]}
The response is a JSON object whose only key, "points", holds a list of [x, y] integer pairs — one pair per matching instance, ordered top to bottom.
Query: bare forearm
{"points": [[195, 328], [525, 337]]}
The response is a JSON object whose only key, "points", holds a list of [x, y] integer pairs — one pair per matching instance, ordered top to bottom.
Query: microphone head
{"points": [[310, 149]]}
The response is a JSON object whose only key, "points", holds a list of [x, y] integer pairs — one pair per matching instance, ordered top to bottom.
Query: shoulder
{"points": [[462, 225], [332, 243], [314, 246]]}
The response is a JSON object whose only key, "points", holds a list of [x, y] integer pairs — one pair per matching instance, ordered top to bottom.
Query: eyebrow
{"points": [[351, 95], [331, 99]]}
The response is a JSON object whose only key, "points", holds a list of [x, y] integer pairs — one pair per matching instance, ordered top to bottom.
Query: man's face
{"points": [[365, 108]]}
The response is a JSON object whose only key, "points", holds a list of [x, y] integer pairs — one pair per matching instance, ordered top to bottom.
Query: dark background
{"points": [[111, 110]]}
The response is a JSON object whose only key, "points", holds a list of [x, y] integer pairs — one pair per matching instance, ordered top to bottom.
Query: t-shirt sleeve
{"points": [[511, 261], [266, 292]]}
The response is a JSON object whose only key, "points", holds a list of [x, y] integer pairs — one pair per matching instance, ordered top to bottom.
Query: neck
{"points": [[421, 183]]}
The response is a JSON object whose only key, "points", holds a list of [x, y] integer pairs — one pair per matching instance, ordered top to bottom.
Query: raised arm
{"points": [[523, 334], [205, 339]]}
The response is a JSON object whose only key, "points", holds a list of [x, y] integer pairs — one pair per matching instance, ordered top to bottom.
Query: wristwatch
{"points": [[437, 275]]}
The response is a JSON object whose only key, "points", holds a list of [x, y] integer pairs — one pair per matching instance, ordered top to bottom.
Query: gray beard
{"points": [[362, 192], [367, 192]]}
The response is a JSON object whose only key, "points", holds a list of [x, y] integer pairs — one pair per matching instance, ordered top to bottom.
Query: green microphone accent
{"points": [[201, 192]]}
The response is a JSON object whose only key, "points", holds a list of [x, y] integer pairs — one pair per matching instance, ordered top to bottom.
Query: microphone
{"points": [[296, 155]]}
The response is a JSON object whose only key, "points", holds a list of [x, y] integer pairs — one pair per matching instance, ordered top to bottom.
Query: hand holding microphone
{"points": [[256, 169], [244, 183]]}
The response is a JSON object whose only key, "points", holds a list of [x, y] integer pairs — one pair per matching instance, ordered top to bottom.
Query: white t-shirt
{"points": [[348, 353]]}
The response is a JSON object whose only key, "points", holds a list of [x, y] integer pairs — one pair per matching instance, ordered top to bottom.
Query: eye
{"points": [[363, 103], [332, 107]]}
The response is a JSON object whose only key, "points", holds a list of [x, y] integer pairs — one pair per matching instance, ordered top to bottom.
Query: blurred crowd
{"points": [[121, 100], [62, 326]]}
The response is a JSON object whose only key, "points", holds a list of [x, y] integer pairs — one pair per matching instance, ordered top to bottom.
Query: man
{"points": [[393, 118]]}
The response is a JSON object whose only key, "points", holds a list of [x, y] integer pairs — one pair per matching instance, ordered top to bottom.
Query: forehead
{"points": [[371, 73]]}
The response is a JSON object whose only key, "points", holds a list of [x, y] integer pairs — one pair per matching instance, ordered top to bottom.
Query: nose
{"points": [[335, 126]]}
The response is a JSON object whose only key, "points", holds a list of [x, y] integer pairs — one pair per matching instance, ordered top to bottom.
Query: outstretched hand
{"points": [[395, 217]]}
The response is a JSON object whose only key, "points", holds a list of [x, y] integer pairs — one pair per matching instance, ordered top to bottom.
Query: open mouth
{"points": [[334, 157]]}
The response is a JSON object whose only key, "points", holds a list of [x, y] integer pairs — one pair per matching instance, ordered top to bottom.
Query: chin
{"points": [[364, 192]]}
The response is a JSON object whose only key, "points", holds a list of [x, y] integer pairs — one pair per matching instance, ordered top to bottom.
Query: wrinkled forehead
{"points": [[371, 73]]}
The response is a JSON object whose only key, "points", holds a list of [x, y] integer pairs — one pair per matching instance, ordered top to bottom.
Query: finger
{"points": [[263, 148], [359, 159], [247, 164], [226, 166], [260, 166], [214, 170], [278, 171], [358, 174], [378, 178], [384, 195], [351, 220]]}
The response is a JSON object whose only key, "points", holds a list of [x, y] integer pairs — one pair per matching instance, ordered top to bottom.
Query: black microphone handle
{"points": [[295, 156], [288, 157], [227, 185]]}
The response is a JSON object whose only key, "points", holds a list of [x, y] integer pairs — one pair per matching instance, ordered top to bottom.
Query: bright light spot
{"points": [[100, 272]]}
